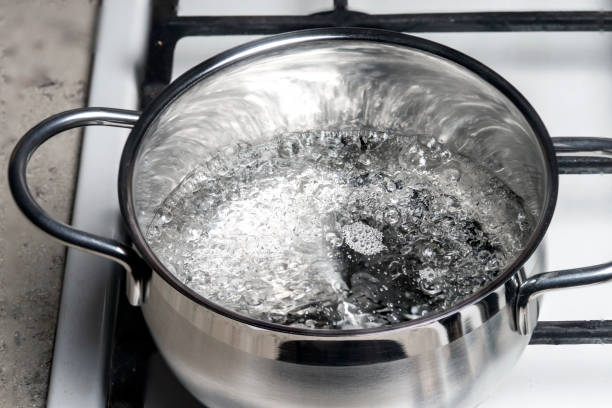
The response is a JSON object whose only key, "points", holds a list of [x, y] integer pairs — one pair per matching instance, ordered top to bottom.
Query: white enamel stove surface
{"points": [[566, 76]]}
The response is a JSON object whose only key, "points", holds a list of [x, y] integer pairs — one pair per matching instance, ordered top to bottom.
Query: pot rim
{"points": [[245, 51]]}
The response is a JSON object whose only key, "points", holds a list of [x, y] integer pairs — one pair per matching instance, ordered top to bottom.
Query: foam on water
{"points": [[339, 229]]}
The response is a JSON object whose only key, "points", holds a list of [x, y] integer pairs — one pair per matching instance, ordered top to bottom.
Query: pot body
{"points": [[332, 80], [451, 362]]}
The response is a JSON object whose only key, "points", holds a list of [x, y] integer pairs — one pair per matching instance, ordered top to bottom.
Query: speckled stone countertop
{"points": [[44, 59]]}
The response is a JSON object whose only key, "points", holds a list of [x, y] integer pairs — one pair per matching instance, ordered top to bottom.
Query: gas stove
{"points": [[557, 56]]}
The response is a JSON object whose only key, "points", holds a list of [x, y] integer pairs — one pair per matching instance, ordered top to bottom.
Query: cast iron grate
{"points": [[167, 28]]}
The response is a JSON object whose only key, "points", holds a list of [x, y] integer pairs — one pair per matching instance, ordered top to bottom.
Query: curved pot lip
{"points": [[242, 52]]}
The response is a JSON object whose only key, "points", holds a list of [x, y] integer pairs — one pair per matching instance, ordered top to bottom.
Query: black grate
{"points": [[168, 28], [573, 332]]}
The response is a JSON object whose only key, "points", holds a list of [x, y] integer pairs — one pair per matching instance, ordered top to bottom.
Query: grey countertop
{"points": [[44, 59]]}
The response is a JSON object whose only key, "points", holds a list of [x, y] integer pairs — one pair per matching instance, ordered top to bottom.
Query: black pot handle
{"points": [[599, 161], [138, 273]]}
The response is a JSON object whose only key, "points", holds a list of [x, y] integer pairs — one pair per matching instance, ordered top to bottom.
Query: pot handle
{"points": [[599, 161], [138, 273]]}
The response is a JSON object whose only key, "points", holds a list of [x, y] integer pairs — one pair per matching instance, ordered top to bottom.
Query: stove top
{"points": [[560, 61]]}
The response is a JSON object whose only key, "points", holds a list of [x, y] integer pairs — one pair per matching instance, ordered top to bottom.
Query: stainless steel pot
{"points": [[314, 80]]}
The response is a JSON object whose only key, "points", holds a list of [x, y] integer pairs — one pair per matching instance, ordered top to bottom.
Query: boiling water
{"points": [[344, 229]]}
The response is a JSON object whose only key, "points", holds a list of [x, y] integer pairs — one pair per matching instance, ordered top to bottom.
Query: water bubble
{"points": [[427, 140], [288, 147], [364, 160], [450, 175], [390, 185], [391, 215], [165, 218], [153, 232], [192, 234], [334, 239], [406, 250], [429, 252], [484, 256], [492, 264], [428, 274], [429, 288], [418, 310]]}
